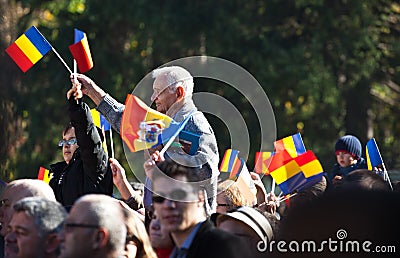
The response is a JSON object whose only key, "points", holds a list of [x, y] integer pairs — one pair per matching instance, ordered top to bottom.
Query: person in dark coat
{"points": [[348, 152], [85, 168], [179, 202]]}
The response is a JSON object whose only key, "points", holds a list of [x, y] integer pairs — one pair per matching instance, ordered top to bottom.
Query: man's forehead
{"points": [[161, 82], [171, 184], [15, 193]]}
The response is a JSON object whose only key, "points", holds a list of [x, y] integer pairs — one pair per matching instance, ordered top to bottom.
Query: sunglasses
{"points": [[69, 142], [176, 195]]}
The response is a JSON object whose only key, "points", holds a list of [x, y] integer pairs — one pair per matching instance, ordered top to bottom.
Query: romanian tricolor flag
{"points": [[28, 49], [81, 52], [99, 120], [143, 127], [293, 144], [374, 158], [262, 161], [230, 162], [297, 173], [44, 175]]}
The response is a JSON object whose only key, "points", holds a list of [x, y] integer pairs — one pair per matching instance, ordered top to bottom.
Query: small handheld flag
{"points": [[28, 49], [81, 52], [99, 120], [143, 127], [293, 144], [374, 158], [262, 161], [375, 161], [44, 175]]}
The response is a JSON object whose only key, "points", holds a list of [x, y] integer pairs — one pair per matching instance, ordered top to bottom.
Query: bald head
{"points": [[17, 190]]}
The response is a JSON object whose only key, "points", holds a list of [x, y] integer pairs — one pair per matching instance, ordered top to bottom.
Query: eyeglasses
{"points": [[69, 142], [176, 195], [4, 202], [223, 205], [67, 227]]}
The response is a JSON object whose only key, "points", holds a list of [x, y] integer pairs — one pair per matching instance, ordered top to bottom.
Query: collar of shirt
{"points": [[188, 242]]}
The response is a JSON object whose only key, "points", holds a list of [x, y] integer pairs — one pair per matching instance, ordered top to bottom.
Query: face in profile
{"points": [[162, 95]]}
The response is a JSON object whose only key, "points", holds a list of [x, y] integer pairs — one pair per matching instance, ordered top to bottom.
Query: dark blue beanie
{"points": [[350, 144]]}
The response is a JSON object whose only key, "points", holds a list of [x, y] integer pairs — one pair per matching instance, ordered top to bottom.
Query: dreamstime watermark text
{"points": [[339, 244]]}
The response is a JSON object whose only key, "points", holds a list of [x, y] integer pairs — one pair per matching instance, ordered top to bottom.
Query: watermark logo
{"points": [[340, 244]]}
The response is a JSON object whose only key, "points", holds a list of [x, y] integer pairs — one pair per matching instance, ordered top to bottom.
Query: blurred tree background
{"points": [[329, 68]]}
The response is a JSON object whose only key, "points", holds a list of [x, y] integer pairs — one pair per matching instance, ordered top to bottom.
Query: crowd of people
{"points": [[184, 211]]}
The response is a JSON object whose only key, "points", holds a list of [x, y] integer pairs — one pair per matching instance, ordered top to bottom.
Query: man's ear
{"points": [[180, 92], [201, 197], [100, 238], [51, 243]]}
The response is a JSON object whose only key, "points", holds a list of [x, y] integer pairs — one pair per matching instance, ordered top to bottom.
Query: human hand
{"points": [[84, 83], [150, 163], [118, 172], [337, 180]]}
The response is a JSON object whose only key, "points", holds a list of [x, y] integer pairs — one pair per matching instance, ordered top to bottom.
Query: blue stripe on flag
{"points": [[37, 39], [298, 143]]}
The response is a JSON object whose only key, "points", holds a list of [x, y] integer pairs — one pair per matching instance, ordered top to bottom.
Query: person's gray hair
{"points": [[175, 76], [106, 212], [48, 216]]}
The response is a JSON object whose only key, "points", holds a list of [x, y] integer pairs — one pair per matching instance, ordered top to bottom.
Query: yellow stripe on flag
{"points": [[28, 48], [96, 117], [289, 146], [369, 165], [311, 168], [285, 172]]}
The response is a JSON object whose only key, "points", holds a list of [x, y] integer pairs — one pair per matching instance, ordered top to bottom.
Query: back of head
{"points": [[173, 75], [351, 144], [363, 179], [32, 187], [230, 190], [106, 212], [47, 215]]}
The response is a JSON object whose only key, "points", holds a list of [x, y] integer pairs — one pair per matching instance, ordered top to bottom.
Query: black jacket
{"points": [[89, 170], [212, 242]]}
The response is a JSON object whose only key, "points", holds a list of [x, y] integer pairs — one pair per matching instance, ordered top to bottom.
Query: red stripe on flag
{"points": [[19, 57], [82, 59], [305, 158], [279, 159], [42, 170]]}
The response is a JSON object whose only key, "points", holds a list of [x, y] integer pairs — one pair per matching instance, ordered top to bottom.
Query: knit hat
{"points": [[350, 144]]}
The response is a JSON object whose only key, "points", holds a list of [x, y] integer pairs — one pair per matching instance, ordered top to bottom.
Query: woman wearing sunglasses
{"points": [[85, 168]]}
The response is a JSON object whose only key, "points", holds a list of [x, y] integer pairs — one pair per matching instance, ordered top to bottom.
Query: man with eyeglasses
{"points": [[173, 96], [85, 168], [15, 191], [179, 200], [94, 228], [33, 229]]}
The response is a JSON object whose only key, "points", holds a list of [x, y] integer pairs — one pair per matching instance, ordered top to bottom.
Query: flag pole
{"points": [[62, 60], [78, 87], [171, 140], [111, 143], [386, 176], [273, 186]]}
